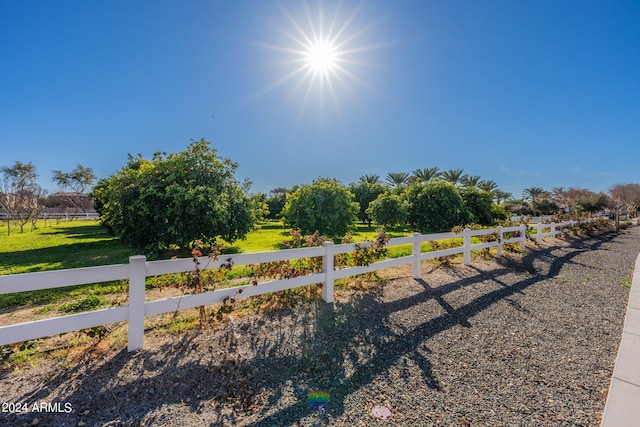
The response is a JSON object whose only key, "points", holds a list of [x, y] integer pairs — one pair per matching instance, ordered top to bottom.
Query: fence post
{"points": [[553, 230], [523, 234], [539, 235], [500, 237], [467, 246], [415, 251], [328, 269], [137, 276]]}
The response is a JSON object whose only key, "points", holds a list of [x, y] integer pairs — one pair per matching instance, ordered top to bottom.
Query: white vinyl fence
{"points": [[62, 216], [69, 216], [138, 269]]}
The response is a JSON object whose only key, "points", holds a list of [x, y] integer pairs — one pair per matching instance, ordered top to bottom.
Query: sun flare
{"points": [[323, 53], [321, 57]]}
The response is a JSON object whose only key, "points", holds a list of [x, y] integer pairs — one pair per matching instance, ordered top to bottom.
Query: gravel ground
{"points": [[528, 341]]}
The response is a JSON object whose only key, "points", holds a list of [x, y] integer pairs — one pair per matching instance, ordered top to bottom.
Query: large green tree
{"points": [[365, 193], [175, 199], [478, 204], [325, 206], [435, 207], [389, 210]]}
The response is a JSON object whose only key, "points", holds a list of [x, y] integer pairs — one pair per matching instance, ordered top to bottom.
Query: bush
{"points": [[365, 193], [175, 200], [478, 204], [325, 206], [435, 207], [388, 210], [499, 213]]}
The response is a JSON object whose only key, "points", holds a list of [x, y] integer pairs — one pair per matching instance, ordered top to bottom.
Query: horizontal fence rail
{"points": [[67, 216], [138, 269]]}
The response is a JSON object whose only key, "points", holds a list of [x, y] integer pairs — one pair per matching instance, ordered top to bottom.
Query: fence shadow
{"points": [[282, 356]]}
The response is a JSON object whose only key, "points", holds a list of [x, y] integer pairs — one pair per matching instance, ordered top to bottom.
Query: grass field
{"points": [[271, 235], [68, 244], [73, 244]]}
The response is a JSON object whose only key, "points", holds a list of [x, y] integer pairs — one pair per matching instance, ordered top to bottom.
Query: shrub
{"points": [[365, 193], [175, 199], [478, 204], [325, 206], [435, 207], [388, 210], [499, 213]]}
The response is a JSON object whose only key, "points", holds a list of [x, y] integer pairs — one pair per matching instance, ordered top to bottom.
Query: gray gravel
{"points": [[514, 342]]}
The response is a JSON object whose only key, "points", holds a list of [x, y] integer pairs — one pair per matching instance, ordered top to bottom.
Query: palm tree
{"points": [[426, 174], [454, 176], [370, 179], [396, 179], [470, 181], [488, 185], [535, 195], [501, 196], [519, 206]]}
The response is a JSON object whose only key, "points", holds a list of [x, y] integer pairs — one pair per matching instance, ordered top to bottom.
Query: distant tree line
{"points": [[173, 199], [432, 200]]}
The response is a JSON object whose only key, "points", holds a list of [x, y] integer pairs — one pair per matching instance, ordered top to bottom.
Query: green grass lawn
{"points": [[271, 235], [68, 244], [73, 244]]}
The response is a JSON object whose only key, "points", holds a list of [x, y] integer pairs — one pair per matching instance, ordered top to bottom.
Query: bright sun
{"points": [[322, 52], [321, 57]]}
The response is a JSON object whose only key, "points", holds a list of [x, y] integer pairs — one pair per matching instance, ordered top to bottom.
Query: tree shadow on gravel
{"points": [[391, 346], [265, 379], [129, 388]]}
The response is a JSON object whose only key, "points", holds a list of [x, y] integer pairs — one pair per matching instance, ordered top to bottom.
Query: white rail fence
{"points": [[66, 216], [69, 216], [138, 269]]}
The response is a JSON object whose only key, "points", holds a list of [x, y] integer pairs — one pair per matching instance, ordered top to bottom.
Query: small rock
{"points": [[381, 412], [35, 422], [81, 423]]}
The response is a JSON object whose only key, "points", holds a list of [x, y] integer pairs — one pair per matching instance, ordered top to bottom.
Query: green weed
{"points": [[91, 302]]}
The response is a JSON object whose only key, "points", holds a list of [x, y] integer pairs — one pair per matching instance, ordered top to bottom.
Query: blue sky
{"points": [[526, 93]]}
